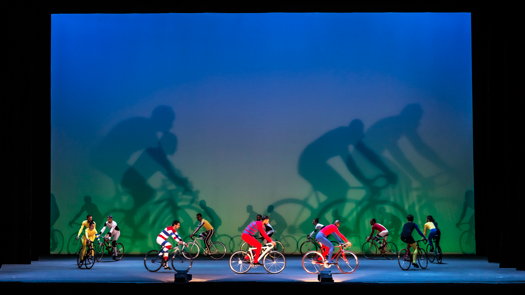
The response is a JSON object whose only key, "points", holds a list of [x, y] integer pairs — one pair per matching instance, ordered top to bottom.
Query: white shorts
{"points": [[383, 233]]}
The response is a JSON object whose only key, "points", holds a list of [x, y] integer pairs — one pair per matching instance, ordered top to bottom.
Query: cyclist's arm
{"points": [[198, 228], [103, 229], [80, 230], [419, 231], [340, 236], [177, 238]]}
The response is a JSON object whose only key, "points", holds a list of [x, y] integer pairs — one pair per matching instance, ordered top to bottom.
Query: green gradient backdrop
{"points": [[262, 106]]}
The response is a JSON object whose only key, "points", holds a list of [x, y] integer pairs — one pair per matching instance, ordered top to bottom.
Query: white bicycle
{"points": [[272, 261]]}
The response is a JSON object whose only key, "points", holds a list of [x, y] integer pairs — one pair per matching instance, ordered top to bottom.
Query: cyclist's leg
{"points": [[383, 235], [431, 237], [114, 238], [207, 238], [321, 238], [437, 239], [250, 240], [411, 244], [166, 246], [83, 251]]}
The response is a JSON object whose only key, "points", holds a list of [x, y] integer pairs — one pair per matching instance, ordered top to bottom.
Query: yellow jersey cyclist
{"points": [[85, 224], [433, 233], [207, 234], [89, 236]]}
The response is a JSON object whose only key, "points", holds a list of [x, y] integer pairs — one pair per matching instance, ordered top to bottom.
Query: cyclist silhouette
{"points": [[385, 134], [112, 154], [313, 163], [467, 204], [89, 208], [251, 216], [279, 224]]}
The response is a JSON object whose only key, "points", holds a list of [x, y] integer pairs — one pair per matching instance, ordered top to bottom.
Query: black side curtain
{"points": [[498, 74]]}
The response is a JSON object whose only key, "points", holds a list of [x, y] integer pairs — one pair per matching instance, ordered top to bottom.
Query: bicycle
{"points": [[104, 245], [378, 247], [217, 249], [435, 256], [404, 257], [88, 260], [154, 260], [345, 260], [272, 261]]}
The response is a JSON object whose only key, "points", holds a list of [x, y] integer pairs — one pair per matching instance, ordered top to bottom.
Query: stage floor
{"points": [[464, 271]]}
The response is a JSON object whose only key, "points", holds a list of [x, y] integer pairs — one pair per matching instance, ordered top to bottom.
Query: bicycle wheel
{"points": [[56, 242], [72, 243], [289, 243], [244, 246], [308, 246], [99, 249], [217, 250], [370, 250], [390, 250], [191, 251], [120, 252], [439, 255], [432, 257], [90, 258], [422, 258], [404, 259], [80, 261], [153, 261], [180, 262], [240, 262], [274, 262], [313, 262], [347, 262]]}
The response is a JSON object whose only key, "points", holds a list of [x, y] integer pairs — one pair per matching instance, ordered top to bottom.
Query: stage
{"points": [[456, 272]]}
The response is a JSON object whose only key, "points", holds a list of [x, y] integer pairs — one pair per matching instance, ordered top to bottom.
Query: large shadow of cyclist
{"points": [[131, 153]]}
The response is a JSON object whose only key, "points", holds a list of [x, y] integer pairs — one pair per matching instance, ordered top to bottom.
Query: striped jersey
{"points": [[170, 231]]}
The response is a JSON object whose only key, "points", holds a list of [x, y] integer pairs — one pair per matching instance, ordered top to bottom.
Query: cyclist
{"points": [[85, 224], [317, 228], [382, 232], [433, 232], [114, 234], [207, 234], [248, 235], [89, 236], [406, 236], [322, 238], [162, 240]]}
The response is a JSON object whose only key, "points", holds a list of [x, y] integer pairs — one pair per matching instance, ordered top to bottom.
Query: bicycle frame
{"points": [[265, 250]]}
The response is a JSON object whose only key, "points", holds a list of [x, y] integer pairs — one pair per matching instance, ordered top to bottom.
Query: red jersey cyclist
{"points": [[382, 232], [248, 235], [322, 237], [162, 240]]}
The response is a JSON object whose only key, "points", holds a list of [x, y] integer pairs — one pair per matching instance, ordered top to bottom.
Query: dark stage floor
{"points": [[457, 272]]}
